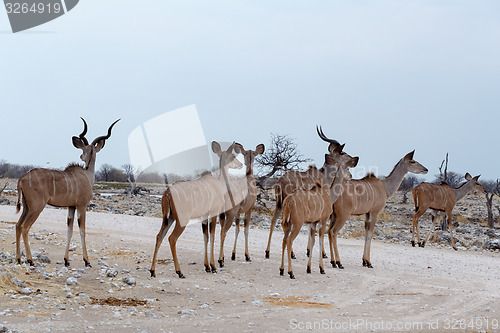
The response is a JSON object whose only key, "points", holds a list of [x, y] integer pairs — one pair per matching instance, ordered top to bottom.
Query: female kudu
{"points": [[439, 198]]}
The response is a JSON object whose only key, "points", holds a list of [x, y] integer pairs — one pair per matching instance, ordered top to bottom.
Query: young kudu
{"points": [[293, 180], [70, 188], [244, 192], [368, 196], [202, 197], [439, 198], [311, 206]]}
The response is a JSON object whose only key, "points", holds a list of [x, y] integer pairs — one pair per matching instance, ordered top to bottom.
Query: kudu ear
{"points": [[78, 143], [99, 144], [231, 147], [333, 147], [216, 148], [238, 148], [260, 149], [338, 149], [409, 156], [329, 159], [353, 162], [468, 176], [477, 177]]}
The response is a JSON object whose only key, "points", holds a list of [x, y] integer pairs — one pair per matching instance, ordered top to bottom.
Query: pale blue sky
{"points": [[385, 77]]}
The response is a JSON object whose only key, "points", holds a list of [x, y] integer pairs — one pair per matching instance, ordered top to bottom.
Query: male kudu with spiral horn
{"points": [[70, 188]]}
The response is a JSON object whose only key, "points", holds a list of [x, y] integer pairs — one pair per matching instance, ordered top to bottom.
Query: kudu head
{"points": [[90, 150], [249, 155], [337, 156], [227, 159], [412, 165], [475, 183]]}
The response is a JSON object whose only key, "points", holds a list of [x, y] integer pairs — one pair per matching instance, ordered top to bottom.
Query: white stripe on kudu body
{"points": [[70, 188], [368, 196], [202, 197], [439, 198]]}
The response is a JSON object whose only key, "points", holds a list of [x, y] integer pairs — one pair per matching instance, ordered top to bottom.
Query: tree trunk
{"points": [[489, 206]]}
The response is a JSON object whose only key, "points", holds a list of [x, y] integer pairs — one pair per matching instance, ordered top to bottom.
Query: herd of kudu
{"points": [[314, 196]]}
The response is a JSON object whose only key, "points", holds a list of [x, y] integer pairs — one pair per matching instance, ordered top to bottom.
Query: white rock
{"points": [[71, 281]]}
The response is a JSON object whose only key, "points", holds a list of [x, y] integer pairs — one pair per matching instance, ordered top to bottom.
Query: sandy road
{"points": [[410, 289]]}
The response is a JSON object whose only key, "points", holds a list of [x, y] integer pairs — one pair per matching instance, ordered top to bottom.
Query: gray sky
{"points": [[385, 77]]}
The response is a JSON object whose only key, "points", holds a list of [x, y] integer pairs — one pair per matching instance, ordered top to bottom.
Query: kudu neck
{"points": [[90, 171], [395, 178], [462, 190]]}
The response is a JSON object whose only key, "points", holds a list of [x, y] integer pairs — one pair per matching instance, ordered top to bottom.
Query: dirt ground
{"points": [[409, 289]]}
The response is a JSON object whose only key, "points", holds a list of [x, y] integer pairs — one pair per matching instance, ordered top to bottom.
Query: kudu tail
{"points": [[278, 192], [19, 195], [415, 198], [166, 208]]}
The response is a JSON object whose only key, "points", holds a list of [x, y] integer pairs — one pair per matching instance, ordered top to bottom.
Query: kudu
{"points": [[293, 180], [70, 188], [244, 192], [368, 196], [202, 197], [439, 198], [311, 206]]}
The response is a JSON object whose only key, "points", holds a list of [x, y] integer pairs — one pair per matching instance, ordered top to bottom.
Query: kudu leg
{"points": [[277, 213], [31, 217], [415, 218], [71, 219], [226, 220], [434, 220], [167, 222], [213, 223], [81, 224], [369, 226], [247, 227], [19, 228], [178, 230], [312, 232], [236, 233], [286, 234], [293, 234], [206, 238], [321, 246]]}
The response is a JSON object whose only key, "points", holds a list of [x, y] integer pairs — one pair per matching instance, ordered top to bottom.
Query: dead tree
{"points": [[281, 156], [491, 188]]}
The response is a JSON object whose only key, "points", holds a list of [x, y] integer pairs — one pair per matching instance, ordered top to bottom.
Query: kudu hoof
{"points": [[413, 243], [421, 244], [455, 248], [307, 253], [267, 254], [233, 256], [293, 256], [325, 256], [247, 257], [19, 261], [29, 261], [66, 262], [221, 263], [366, 263], [87, 264], [333, 264], [339, 265], [207, 269], [214, 270], [308, 270], [321, 270], [282, 271], [153, 273], [291, 275], [181, 276]]}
